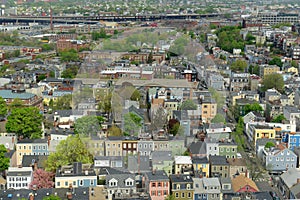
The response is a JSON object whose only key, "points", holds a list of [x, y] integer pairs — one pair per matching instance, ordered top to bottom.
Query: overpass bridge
{"points": [[94, 19]]}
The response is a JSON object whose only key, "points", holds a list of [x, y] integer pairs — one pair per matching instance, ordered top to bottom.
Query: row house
{"points": [[239, 81], [257, 131], [31, 147], [162, 160], [183, 165], [219, 166], [75, 176], [19, 178], [157, 184], [120, 185], [182, 186], [207, 188]]}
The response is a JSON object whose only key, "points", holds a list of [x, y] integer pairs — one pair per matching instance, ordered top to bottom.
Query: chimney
{"points": [[49, 138], [298, 180], [69, 195], [31, 196]]}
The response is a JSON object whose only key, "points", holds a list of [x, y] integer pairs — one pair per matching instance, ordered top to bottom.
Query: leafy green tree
{"points": [[230, 38], [178, 47], [68, 56], [150, 58], [276, 61], [294, 63], [238, 66], [253, 69], [70, 72], [41, 77], [273, 81], [136, 95], [220, 99], [63, 102], [105, 103], [188, 105], [3, 107], [253, 107], [219, 118], [279, 118], [25, 122], [132, 123], [87, 125], [114, 131], [269, 144], [67, 152], [4, 161], [52, 197], [170, 197]]}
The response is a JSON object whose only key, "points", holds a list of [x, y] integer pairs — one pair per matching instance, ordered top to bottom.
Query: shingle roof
{"points": [[8, 94], [197, 148], [29, 160], [218, 160], [157, 175], [290, 177], [180, 178], [121, 180], [241, 181]]}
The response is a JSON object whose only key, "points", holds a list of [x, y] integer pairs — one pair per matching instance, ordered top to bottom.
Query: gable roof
{"points": [[198, 147], [157, 175], [290, 177], [121, 180], [241, 181]]}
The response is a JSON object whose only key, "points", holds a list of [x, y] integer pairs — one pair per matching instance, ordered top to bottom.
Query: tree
{"points": [[178, 47], [68, 56], [150, 58], [276, 61], [294, 63], [238, 66], [253, 69], [70, 72], [273, 81], [136, 95], [220, 99], [63, 102], [16, 103], [105, 103], [188, 105], [3, 107], [253, 107], [219, 118], [279, 118], [25, 122], [132, 123], [87, 125], [114, 131], [269, 144], [67, 152], [4, 161], [42, 179], [52, 197], [170, 197]]}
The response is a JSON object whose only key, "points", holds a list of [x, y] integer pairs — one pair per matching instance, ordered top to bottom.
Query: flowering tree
{"points": [[42, 179]]}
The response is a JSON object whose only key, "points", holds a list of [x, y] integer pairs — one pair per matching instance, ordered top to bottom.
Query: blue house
{"points": [[292, 140], [76, 175]]}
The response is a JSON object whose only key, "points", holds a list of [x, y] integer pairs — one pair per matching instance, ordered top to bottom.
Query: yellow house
{"points": [[268, 69], [292, 70], [244, 95], [170, 105], [209, 110], [261, 131], [113, 146], [21, 150], [182, 164], [201, 166]]}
